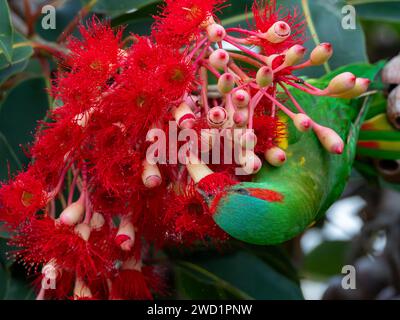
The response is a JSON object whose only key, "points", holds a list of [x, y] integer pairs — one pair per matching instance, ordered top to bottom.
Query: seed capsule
{"points": [[391, 72], [393, 108]]}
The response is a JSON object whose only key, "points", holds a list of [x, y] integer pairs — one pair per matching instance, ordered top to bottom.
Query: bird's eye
{"points": [[242, 192]]}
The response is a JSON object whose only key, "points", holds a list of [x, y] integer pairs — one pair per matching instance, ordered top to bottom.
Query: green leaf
{"points": [[115, 8], [381, 11], [139, 21], [6, 32], [22, 51], [24, 106], [310, 181], [326, 260], [4, 261], [238, 275], [3, 282], [19, 290]]}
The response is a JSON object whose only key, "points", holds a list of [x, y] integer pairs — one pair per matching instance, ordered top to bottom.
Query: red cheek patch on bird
{"points": [[265, 194]]}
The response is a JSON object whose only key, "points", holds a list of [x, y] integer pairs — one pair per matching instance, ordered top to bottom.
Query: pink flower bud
{"points": [[215, 32], [278, 32], [321, 54], [294, 55], [219, 59], [264, 77], [226, 83], [342, 83], [360, 87], [241, 98], [184, 116], [216, 117], [240, 117], [83, 118], [302, 122], [329, 139], [248, 140], [275, 156], [250, 162], [197, 169], [151, 175], [72, 214], [97, 221], [83, 230], [125, 237], [81, 290]]}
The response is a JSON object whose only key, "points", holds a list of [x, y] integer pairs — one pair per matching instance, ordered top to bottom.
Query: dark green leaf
{"points": [[115, 8], [382, 11], [6, 32], [22, 51], [24, 106], [326, 260], [238, 275], [3, 281], [19, 290]]}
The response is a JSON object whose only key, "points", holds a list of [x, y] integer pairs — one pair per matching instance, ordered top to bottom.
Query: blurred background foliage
{"points": [[361, 229]]}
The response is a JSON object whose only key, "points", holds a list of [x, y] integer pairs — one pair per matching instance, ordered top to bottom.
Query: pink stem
{"points": [[243, 31], [198, 46], [245, 50], [202, 54], [303, 65], [212, 69], [204, 84], [309, 91], [296, 104], [280, 105], [252, 106], [72, 188], [41, 293]]}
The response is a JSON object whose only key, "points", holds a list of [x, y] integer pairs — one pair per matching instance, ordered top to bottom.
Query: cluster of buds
{"points": [[241, 96]]}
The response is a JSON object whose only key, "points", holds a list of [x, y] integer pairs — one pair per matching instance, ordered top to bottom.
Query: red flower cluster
{"points": [[92, 201]]}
